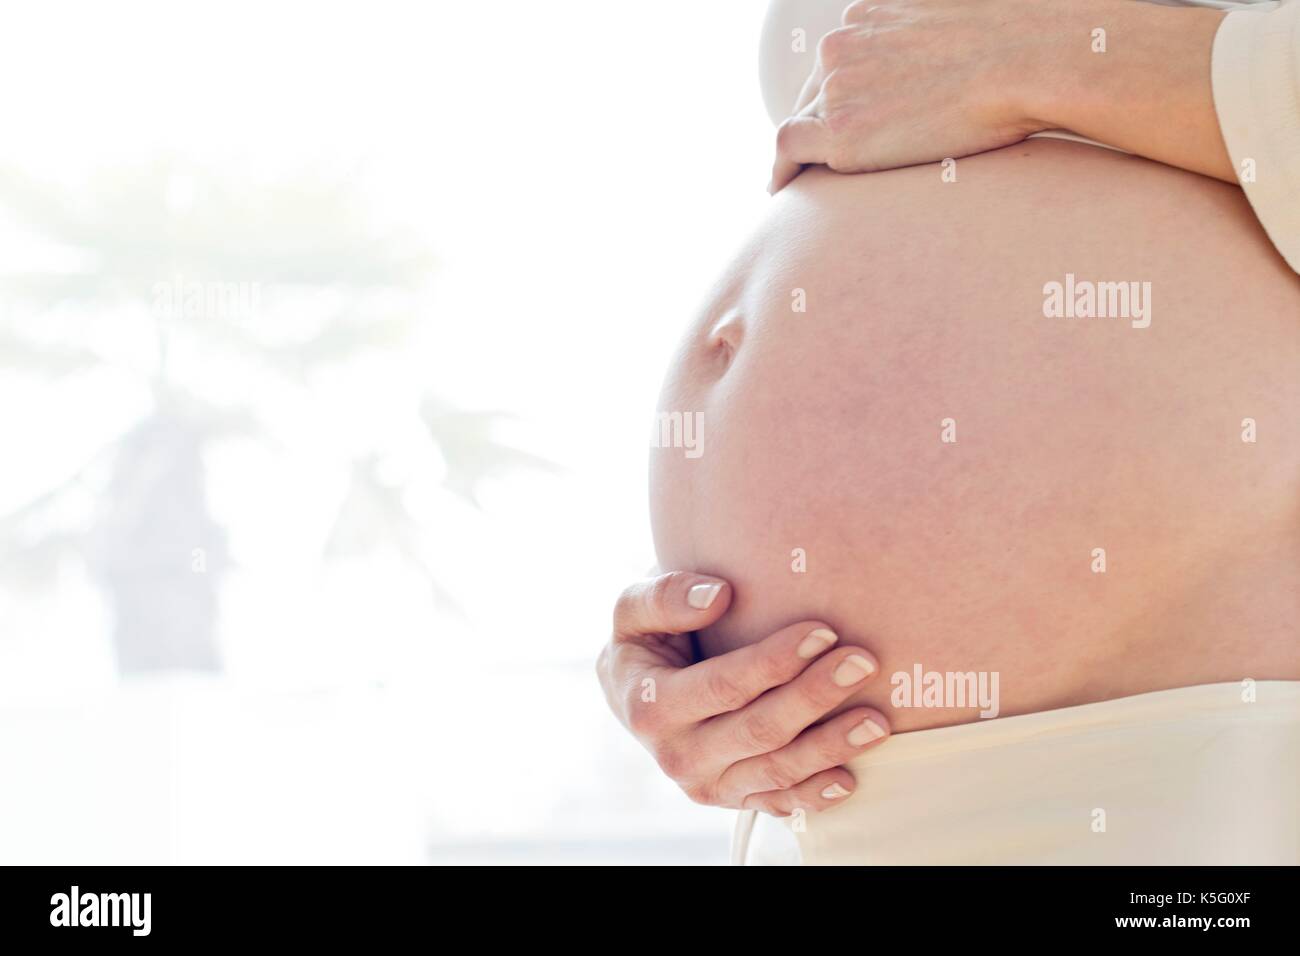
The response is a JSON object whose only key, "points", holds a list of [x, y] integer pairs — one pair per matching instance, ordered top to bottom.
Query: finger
{"points": [[857, 12], [811, 87], [801, 140], [784, 172], [674, 603], [652, 623], [730, 681], [782, 714], [816, 749], [819, 792]]}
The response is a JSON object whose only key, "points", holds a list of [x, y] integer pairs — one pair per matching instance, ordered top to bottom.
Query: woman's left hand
{"points": [[914, 81], [917, 81]]}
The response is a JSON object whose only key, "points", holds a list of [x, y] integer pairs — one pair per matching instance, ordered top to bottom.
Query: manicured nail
{"points": [[702, 595], [816, 642], [852, 669], [865, 732], [834, 792]]}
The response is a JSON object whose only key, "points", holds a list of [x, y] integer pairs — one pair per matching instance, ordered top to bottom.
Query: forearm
{"points": [[1149, 92]]}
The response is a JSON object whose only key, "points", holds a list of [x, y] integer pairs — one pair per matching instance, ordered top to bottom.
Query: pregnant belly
{"points": [[1037, 424]]}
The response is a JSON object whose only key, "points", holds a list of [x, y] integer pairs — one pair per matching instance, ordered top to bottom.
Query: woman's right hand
{"points": [[738, 730]]}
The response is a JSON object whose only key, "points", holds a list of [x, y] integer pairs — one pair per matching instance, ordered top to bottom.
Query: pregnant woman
{"points": [[1002, 453]]}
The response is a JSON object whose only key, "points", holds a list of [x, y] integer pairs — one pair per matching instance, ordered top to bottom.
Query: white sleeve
{"points": [[788, 52], [1256, 78]]}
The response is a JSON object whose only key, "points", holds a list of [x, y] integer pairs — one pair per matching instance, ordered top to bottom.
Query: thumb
{"points": [[673, 603]]}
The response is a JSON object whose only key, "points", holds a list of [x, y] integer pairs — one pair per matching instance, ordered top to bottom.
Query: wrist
{"points": [[1067, 66], [1112, 67]]}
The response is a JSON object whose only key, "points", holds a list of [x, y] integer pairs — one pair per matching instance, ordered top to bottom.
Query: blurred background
{"points": [[330, 337]]}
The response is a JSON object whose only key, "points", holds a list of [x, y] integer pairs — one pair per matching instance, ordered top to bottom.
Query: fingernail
{"points": [[702, 595], [816, 642], [853, 669], [865, 732], [834, 792]]}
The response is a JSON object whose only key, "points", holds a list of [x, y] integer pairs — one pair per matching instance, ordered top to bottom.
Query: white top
{"points": [[1256, 70], [1256, 81], [1205, 775]]}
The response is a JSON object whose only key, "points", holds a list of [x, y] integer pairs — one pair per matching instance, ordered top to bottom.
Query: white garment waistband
{"points": [[1192, 775]]}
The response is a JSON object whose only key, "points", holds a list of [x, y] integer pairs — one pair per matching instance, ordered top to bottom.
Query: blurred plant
{"points": [[152, 249]]}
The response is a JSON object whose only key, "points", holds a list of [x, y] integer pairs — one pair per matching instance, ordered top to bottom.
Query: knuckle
{"points": [[858, 11], [834, 47], [835, 89], [838, 120], [785, 137], [840, 161], [657, 595], [643, 606], [773, 669], [725, 692], [642, 718], [759, 733], [829, 753], [674, 762], [778, 775], [701, 793]]}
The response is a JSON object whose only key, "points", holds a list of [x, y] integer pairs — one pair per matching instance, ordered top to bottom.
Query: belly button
{"points": [[725, 336]]}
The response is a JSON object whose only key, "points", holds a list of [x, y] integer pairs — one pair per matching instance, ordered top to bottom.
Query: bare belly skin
{"points": [[822, 431]]}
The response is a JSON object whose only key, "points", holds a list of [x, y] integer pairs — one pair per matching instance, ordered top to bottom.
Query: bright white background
{"points": [[577, 173]]}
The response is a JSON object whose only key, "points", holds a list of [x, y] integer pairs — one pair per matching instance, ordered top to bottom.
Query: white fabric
{"points": [[1256, 72], [1191, 776]]}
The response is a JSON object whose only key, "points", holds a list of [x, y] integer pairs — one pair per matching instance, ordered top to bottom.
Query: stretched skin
{"points": [[924, 302]]}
